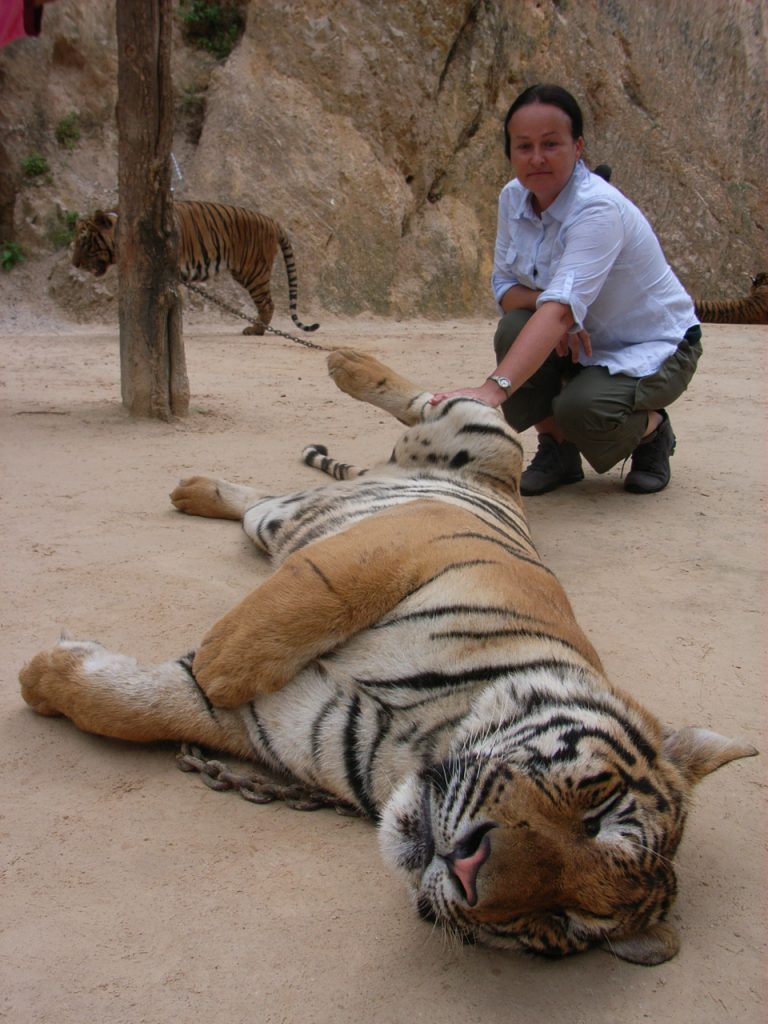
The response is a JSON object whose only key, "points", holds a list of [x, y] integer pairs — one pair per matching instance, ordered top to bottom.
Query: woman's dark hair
{"points": [[555, 96]]}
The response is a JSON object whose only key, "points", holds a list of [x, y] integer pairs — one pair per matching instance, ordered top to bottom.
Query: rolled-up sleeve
{"points": [[592, 243], [502, 278]]}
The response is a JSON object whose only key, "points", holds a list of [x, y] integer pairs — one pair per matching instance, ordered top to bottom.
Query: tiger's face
{"points": [[94, 248], [552, 833], [549, 862]]}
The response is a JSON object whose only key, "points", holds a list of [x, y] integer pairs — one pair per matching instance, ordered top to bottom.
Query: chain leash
{"points": [[209, 297], [258, 788]]}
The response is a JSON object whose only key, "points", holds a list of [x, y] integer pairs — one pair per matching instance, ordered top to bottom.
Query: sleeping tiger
{"points": [[210, 235], [750, 309], [412, 656]]}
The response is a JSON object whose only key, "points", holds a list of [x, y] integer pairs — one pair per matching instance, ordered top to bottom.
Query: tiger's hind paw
{"points": [[363, 377], [213, 499]]}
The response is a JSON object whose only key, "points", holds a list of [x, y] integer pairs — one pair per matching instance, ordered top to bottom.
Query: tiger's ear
{"points": [[104, 220], [697, 752], [654, 946]]}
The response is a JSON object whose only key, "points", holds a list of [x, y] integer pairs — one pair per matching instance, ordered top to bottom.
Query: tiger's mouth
{"points": [[419, 852]]}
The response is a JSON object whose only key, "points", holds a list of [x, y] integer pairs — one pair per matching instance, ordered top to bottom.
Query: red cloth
{"points": [[19, 18]]}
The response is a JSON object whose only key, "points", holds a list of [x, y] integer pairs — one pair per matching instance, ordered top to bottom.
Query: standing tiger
{"points": [[211, 235], [749, 309], [413, 657]]}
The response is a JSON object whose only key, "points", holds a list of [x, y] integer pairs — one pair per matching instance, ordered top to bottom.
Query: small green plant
{"points": [[213, 25], [68, 131], [34, 166], [62, 229], [11, 255]]}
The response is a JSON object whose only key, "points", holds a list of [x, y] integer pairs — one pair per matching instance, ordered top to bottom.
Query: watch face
{"points": [[503, 382]]}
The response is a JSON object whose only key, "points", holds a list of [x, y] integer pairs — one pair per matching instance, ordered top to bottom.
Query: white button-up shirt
{"points": [[593, 250]]}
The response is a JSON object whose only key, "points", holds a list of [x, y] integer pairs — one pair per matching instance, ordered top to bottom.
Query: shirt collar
{"points": [[558, 209]]}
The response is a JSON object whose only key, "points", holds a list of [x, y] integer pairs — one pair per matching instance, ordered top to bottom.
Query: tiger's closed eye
{"points": [[593, 821]]}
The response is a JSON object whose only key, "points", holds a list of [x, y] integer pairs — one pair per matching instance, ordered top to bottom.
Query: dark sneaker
{"points": [[650, 460], [553, 465]]}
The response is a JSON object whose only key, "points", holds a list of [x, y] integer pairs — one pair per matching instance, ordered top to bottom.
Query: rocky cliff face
{"points": [[372, 131]]}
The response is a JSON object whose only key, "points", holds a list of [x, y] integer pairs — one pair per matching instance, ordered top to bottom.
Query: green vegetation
{"points": [[213, 25], [68, 131], [34, 166], [62, 228], [10, 255]]}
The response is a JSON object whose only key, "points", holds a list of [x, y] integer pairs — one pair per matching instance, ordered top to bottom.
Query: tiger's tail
{"points": [[293, 286], [751, 309], [316, 456]]}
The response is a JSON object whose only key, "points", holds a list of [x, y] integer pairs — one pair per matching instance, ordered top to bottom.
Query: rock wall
{"points": [[372, 131]]}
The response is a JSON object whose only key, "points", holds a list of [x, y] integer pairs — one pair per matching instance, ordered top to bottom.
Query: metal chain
{"points": [[209, 297], [257, 788]]}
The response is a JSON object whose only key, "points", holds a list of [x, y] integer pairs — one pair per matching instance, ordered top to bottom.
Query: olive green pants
{"points": [[604, 414]]}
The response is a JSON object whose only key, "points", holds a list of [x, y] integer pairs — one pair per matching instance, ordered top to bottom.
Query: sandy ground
{"points": [[132, 893]]}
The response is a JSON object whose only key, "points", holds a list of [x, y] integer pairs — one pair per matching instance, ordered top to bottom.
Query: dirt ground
{"points": [[132, 893]]}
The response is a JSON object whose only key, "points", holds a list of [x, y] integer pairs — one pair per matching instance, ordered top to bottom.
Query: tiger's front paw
{"points": [[238, 659], [225, 672], [52, 680]]}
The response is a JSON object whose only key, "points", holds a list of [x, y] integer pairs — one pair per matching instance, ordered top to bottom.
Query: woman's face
{"points": [[543, 151]]}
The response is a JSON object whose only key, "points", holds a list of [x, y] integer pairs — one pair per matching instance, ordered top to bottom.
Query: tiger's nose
{"points": [[465, 862]]}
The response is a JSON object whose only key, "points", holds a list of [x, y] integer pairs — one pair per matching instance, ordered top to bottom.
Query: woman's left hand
{"points": [[571, 343], [489, 393]]}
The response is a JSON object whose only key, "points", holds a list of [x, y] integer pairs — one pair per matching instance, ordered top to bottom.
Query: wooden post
{"points": [[8, 189], [153, 370]]}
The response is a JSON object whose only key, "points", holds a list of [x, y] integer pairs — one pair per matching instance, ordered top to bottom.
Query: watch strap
{"points": [[503, 382]]}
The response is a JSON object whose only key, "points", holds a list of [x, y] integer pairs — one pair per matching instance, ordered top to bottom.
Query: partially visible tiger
{"points": [[211, 235], [749, 309], [412, 656]]}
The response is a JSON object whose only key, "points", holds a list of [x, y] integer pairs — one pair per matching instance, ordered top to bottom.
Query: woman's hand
{"points": [[571, 343], [489, 393]]}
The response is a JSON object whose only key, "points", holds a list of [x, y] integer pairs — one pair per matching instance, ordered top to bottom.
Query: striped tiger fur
{"points": [[211, 236], [749, 309], [413, 657]]}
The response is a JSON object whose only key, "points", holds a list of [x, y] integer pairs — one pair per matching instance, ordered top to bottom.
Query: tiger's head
{"points": [[94, 248], [554, 831]]}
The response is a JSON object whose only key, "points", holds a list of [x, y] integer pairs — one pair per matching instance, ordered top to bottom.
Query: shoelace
{"points": [[651, 456], [547, 457]]}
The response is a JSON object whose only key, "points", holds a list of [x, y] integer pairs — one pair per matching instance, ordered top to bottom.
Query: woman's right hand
{"points": [[488, 393]]}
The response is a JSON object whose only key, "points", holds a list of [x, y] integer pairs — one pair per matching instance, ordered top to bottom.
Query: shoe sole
{"points": [[634, 489], [546, 490]]}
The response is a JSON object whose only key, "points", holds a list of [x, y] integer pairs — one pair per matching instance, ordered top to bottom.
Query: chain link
{"points": [[209, 297], [257, 788]]}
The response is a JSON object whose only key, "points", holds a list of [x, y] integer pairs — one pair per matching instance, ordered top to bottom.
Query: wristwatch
{"points": [[504, 383]]}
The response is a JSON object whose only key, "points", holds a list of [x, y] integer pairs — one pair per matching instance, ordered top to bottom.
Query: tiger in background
{"points": [[211, 235], [750, 309], [412, 656]]}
